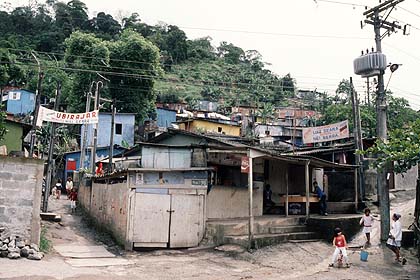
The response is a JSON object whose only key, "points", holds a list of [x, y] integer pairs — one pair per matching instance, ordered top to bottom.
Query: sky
{"points": [[315, 41]]}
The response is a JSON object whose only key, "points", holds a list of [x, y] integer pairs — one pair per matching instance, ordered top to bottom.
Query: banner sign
{"points": [[49, 115], [326, 133], [244, 165]]}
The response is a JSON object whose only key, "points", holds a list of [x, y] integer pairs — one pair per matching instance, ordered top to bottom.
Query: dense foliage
{"points": [[402, 148]]}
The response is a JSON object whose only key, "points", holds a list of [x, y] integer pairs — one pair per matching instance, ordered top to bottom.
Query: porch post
{"points": [[307, 187], [287, 191], [356, 194], [251, 214]]}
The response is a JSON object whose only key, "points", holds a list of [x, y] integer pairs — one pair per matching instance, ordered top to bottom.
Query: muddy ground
{"points": [[285, 261]]}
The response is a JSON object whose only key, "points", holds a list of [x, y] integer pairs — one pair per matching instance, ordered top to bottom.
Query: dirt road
{"points": [[284, 261]]}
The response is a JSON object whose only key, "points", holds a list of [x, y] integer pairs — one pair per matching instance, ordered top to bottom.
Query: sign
{"points": [[49, 115], [326, 133], [245, 165]]}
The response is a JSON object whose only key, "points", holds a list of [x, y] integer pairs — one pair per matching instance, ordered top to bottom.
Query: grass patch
{"points": [[44, 243]]}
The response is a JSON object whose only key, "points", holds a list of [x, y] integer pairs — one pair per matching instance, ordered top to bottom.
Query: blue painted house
{"points": [[19, 101], [165, 117], [123, 129]]}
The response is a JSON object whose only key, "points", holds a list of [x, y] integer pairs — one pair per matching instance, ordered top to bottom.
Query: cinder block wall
{"points": [[20, 196]]}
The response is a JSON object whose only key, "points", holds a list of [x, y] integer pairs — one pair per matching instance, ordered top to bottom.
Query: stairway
{"points": [[267, 231]]}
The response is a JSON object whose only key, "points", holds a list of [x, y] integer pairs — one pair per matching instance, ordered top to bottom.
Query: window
{"points": [[118, 128], [219, 129]]}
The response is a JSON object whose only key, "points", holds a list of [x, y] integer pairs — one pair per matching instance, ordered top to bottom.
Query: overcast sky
{"points": [[315, 41]]}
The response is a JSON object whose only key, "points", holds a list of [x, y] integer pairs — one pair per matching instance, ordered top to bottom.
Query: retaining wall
{"points": [[20, 196]]}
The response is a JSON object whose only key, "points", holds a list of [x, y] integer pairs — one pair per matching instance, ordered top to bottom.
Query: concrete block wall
{"points": [[20, 196]]}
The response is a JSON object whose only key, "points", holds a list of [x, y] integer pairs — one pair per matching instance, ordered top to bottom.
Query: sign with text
{"points": [[49, 115], [326, 133], [245, 165]]}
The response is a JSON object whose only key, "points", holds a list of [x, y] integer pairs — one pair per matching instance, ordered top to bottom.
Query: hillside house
{"points": [[19, 101], [211, 126], [123, 130]]}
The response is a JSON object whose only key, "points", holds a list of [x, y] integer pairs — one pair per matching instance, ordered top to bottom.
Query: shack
{"points": [[158, 200]]}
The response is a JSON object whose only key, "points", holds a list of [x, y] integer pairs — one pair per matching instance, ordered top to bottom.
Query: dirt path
{"points": [[284, 261]]}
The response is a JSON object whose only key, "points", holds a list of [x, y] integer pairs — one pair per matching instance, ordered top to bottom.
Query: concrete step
{"points": [[262, 225], [288, 229], [262, 240]]}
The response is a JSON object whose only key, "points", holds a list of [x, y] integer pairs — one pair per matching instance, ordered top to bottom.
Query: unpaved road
{"points": [[284, 261]]}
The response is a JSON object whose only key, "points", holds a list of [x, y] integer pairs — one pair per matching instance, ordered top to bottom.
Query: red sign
{"points": [[71, 164], [245, 165]]}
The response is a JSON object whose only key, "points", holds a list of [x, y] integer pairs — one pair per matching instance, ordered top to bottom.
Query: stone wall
{"points": [[20, 196]]}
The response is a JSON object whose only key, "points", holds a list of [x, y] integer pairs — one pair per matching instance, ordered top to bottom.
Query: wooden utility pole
{"points": [[374, 17], [37, 104], [95, 129], [358, 139], [111, 141], [83, 142], [50, 162]]}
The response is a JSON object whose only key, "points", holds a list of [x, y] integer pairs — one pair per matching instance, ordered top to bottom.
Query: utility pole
{"points": [[374, 17], [37, 104], [95, 129], [358, 138], [111, 141], [83, 142], [50, 163]]}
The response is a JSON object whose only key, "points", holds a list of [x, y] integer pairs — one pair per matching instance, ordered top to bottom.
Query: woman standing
{"points": [[395, 237]]}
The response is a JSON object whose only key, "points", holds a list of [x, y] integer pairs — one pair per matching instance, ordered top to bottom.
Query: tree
{"points": [[105, 26], [175, 43], [200, 49], [230, 53], [87, 55], [138, 58], [288, 84], [343, 92], [402, 148]]}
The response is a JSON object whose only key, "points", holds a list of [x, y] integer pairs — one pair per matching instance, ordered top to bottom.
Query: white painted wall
{"points": [[232, 202]]}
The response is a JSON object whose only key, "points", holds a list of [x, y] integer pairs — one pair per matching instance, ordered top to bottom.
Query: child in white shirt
{"points": [[367, 221]]}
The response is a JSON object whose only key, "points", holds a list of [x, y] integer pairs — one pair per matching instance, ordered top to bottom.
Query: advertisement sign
{"points": [[49, 115], [326, 133], [244, 165]]}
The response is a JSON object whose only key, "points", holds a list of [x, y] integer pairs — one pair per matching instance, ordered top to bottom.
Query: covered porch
{"points": [[290, 179], [233, 200]]}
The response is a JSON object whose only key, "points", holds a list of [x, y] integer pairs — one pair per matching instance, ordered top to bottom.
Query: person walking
{"points": [[69, 186], [58, 187], [73, 199], [322, 199], [366, 222], [395, 237]]}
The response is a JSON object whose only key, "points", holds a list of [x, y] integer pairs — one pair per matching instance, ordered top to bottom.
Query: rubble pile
{"points": [[14, 247]]}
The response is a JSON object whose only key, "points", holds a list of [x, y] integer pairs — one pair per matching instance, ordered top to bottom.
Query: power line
{"points": [[342, 3]]}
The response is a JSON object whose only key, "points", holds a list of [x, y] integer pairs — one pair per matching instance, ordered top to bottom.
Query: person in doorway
{"points": [[69, 186], [58, 187], [73, 199], [322, 199], [268, 203], [366, 222], [395, 237], [340, 244]]}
